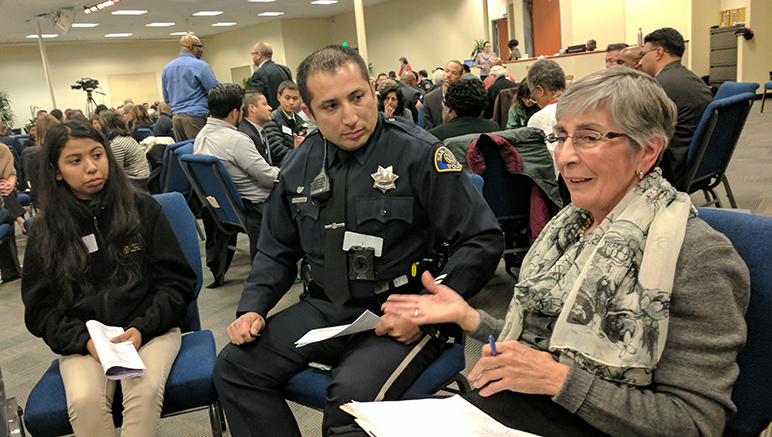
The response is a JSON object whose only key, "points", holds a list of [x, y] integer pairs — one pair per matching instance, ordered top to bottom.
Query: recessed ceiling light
{"points": [[262, 1], [324, 2], [99, 6], [129, 12], [207, 13], [271, 14], [85, 24], [159, 24], [223, 24], [182, 33], [45, 35], [118, 35]]}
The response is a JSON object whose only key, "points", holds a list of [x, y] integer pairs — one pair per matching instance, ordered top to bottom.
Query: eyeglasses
{"points": [[201, 46], [652, 50], [253, 53], [583, 139]]}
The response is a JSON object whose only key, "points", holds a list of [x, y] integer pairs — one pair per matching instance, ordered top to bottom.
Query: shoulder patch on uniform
{"points": [[445, 160], [276, 179]]}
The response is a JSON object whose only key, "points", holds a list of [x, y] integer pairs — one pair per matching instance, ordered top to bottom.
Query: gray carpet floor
{"points": [[24, 358]]}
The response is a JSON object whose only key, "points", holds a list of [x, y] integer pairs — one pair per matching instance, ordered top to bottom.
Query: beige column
{"points": [[359, 18], [44, 56]]}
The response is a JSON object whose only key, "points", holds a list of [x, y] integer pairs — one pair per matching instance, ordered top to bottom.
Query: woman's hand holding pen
{"points": [[443, 305], [518, 368]]}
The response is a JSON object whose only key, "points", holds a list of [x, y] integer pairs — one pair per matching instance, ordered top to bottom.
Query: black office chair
{"points": [[508, 196]]}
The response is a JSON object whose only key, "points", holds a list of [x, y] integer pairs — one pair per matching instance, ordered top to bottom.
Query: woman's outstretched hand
{"points": [[443, 305], [132, 334]]}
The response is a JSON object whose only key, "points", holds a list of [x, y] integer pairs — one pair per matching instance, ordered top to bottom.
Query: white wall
{"points": [[23, 78]]}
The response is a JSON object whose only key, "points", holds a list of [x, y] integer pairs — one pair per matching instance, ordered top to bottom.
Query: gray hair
{"points": [[498, 71], [547, 74], [437, 76], [632, 100]]}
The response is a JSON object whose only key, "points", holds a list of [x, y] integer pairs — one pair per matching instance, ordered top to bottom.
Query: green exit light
{"points": [[345, 44]]}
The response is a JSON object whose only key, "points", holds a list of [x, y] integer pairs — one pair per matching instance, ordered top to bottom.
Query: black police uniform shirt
{"points": [[423, 199]]}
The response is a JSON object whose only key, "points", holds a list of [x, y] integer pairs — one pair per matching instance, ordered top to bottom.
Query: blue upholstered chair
{"points": [[767, 86], [729, 89], [144, 132], [713, 144], [172, 176], [216, 190], [309, 386], [189, 387], [752, 393]]}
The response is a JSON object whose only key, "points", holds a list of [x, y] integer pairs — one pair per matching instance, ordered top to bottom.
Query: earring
{"points": [[640, 175]]}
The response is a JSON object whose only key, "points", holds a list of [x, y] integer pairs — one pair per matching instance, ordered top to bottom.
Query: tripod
{"points": [[90, 103]]}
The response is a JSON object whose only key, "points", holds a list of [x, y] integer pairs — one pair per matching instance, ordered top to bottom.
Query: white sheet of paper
{"points": [[351, 239], [364, 322], [119, 360], [428, 418]]}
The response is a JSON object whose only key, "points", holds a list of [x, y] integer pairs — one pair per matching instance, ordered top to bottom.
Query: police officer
{"points": [[363, 198]]}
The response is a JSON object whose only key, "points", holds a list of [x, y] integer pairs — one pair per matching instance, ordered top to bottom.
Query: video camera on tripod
{"points": [[86, 83]]}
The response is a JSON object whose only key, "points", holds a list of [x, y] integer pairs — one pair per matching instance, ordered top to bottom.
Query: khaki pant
{"points": [[186, 127], [90, 394]]}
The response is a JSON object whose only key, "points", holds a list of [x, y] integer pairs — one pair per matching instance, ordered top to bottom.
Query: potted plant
{"points": [[478, 47], [6, 113]]}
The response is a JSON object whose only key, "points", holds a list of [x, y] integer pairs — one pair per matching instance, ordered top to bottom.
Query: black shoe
{"points": [[218, 282]]}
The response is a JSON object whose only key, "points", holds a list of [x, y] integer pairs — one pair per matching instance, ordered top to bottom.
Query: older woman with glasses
{"points": [[629, 311]]}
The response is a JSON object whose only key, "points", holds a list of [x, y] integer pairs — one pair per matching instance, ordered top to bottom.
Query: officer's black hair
{"points": [[327, 60], [467, 97], [224, 98]]}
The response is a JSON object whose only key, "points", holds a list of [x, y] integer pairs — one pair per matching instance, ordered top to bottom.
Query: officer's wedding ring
{"points": [[415, 314]]}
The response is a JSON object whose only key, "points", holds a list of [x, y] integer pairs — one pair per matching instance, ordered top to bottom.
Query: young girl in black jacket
{"points": [[99, 249]]}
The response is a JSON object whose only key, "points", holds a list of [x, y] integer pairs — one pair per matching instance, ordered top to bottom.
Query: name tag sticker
{"points": [[286, 130], [351, 239], [90, 242]]}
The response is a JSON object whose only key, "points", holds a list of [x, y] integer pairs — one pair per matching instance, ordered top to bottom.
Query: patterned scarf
{"points": [[614, 283]]}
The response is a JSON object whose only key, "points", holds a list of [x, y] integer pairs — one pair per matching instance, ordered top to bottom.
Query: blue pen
{"points": [[492, 342]]}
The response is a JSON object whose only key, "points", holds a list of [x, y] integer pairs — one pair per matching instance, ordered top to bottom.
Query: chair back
{"points": [[729, 89], [421, 116], [144, 132], [712, 148], [172, 175], [478, 181], [215, 189], [507, 194], [184, 225], [752, 393]]}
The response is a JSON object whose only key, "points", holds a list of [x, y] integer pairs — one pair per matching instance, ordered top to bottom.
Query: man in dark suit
{"points": [[661, 59], [269, 74], [500, 83], [412, 95], [433, 100], [465, 100], [257, 113]]}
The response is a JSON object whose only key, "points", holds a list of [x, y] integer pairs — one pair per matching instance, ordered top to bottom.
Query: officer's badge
{"points": [[445, 160], [384, 178], [300, 189]]}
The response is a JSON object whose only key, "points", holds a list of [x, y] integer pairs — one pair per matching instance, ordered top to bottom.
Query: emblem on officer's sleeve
{"points": [[445, 160], [384, 178]]}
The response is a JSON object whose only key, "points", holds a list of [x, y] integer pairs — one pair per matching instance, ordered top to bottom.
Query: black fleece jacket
{"points": [[154, 305]]}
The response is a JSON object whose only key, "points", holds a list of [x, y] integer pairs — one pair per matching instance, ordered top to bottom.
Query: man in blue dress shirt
{"points": [[186, 81]]}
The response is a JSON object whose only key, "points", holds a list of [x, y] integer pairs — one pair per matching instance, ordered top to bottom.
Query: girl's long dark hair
{"points": [[56, 230]]}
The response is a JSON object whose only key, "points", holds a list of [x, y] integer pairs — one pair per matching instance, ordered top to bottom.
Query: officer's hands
{"points": [[245, 328], [401, 329]]}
